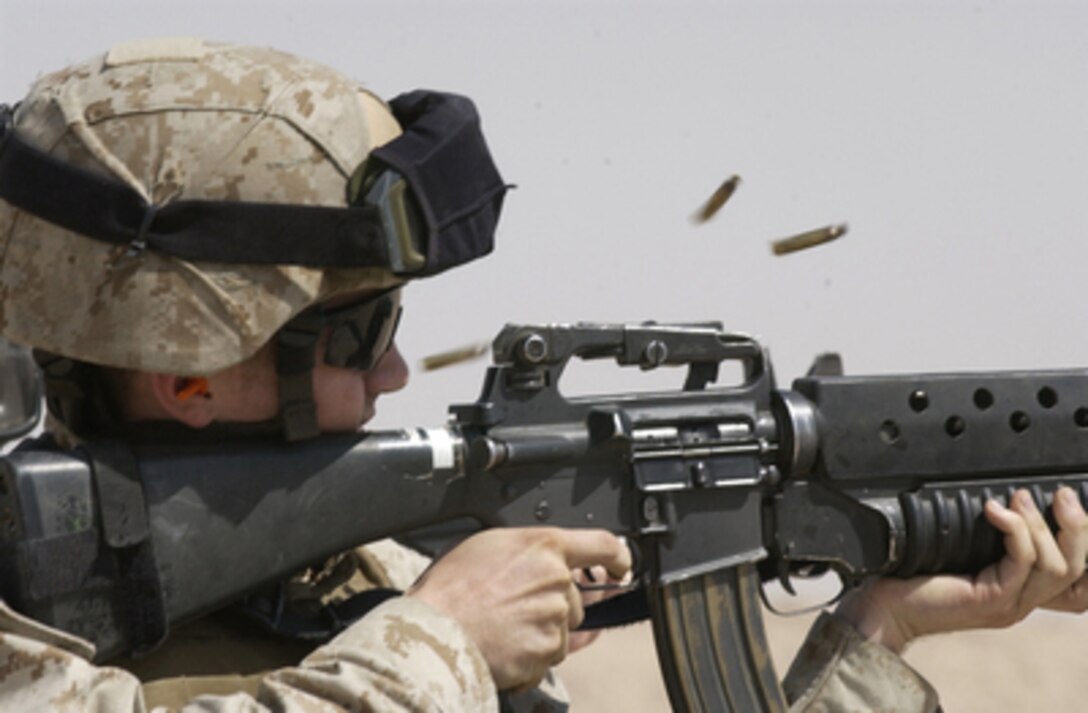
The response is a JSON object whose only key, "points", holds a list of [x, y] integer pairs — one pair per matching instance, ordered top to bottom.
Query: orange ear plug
{"points": [[193, 386]]}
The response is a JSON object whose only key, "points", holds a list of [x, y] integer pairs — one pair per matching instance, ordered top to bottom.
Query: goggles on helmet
{"points": [[361, 332]]}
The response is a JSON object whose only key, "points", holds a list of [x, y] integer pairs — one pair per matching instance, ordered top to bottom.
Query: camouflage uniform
{"points": [[183, 119], [401, 656], [837, 671]]}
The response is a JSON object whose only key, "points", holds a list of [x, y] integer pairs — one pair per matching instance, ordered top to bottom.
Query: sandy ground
{"points": [[1038, 665]]}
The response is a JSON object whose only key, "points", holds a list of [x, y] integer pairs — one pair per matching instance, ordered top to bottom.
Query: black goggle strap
{"points": [[430, 201], [295, 346]]}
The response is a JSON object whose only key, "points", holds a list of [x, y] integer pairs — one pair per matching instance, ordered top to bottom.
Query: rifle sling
{"points": [[34, 570], [620, 610], [272, 611]]}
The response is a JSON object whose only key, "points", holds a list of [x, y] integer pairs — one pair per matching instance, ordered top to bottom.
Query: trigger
{"points": [[784, 577]]}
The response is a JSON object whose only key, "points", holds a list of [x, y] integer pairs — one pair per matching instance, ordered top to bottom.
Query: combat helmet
{"points": [[169, 206]]}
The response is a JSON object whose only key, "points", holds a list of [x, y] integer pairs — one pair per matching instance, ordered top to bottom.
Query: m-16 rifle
{"points": [[718, 487]]}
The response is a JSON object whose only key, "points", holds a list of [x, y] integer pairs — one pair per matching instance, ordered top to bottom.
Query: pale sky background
{"points": [[950, 135]]}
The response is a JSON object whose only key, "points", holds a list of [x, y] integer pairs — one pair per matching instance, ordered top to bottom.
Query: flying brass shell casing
{"points": [[718, 199], [808, 239], [454, 356]]}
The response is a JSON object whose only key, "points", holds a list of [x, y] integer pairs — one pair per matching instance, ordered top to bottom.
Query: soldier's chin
{"points": [[366, 416]]}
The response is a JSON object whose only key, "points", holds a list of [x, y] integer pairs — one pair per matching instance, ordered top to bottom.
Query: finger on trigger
{"points": [[586, 548]]}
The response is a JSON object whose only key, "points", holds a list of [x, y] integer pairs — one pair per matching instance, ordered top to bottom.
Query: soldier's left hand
{"points": [[1039, 570]]}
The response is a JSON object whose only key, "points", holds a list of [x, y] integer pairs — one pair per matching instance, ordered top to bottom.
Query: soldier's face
{"points": [[345, 398]]}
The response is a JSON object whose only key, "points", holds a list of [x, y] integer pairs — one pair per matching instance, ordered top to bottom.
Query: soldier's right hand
{"points": [[512, 591]]}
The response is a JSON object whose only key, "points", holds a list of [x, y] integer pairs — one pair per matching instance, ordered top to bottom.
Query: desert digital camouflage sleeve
{"points": [[386, 563], [403, 656], [837, 671]]}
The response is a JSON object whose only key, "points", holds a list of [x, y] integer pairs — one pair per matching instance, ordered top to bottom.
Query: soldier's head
{"points": [[184, 217]]}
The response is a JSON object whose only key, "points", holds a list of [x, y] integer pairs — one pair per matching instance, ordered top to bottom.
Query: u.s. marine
{"points": [[247, 321]]}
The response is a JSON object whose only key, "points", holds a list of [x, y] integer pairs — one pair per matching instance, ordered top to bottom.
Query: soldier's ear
{"points": [[184, 398]]}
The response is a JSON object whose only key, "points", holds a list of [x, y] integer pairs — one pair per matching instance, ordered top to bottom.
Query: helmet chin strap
{"points": [[295, 346]]}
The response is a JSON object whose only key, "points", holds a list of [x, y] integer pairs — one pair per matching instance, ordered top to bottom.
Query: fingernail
{"points": [[1067, 495], [1026, 501]]}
